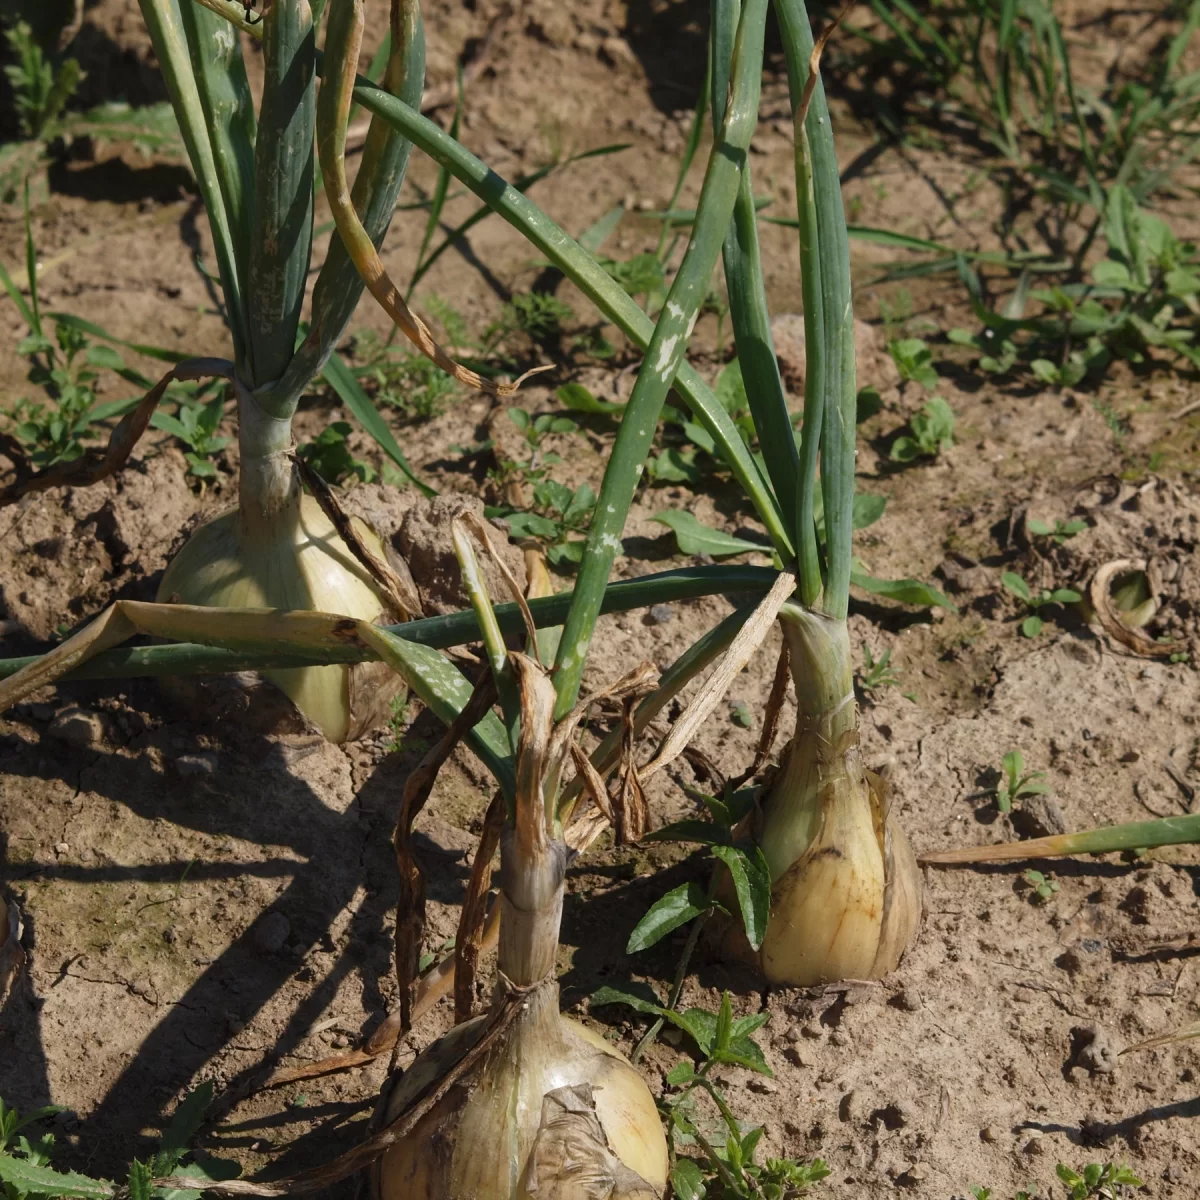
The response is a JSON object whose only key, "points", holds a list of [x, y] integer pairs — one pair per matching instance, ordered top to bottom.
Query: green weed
{"points": [[914, 361], [196, 427], [932, 432], [329, 455], [1059, 532], [1033, 624], [877, 673], [1016, 783], [1044, 886], [26, 1174]]}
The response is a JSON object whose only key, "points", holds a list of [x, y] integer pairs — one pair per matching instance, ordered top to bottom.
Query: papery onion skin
{"points": [[300, 563], [474, 1145]]}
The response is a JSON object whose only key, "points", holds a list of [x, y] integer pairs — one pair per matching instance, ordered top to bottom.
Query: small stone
{"points": [[617, 51], [660, 614], [77, 727], [199, 765], [1039, 816], [62, 848], [271, 933], [169, 936], [139, 987], [906, 1000], [809, 1030], [793, 1033], [839, 1037], [341, 1042], [1096, 1049], [848, 1106], [989, 1134], [1035, 1146], [913, 1174]]}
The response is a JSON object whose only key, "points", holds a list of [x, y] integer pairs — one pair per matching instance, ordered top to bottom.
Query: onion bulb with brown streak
{"points": [[297, 560], [845, 886], [549, 1112]]}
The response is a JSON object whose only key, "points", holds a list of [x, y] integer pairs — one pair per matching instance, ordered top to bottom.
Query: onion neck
{"points": [[268, 488], [826, 733], [531, 899]]}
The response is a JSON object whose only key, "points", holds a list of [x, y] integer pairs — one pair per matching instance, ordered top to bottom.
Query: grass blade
{"points": [[438, 202], [339, 377]]}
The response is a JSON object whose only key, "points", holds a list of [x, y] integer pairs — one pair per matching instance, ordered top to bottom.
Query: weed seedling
{"points": [[40, 88], [540, 316], [914, 361], [405, 380], [196, 427], [932, 432], [329, 455], [559, 519], [1059, 532], [1032, 625], [877, 673], [1016, 782], [1043, 886], [726, 1168], [25, 1173], [1101, 1182]]}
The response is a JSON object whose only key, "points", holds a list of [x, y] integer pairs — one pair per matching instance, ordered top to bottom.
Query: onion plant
{"points": [[255, 173], [837, 861]]}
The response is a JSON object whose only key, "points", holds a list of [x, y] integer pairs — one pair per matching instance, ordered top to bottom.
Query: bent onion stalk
{"points": [[278, 549]]}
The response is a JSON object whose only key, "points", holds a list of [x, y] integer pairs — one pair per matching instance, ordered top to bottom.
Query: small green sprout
{"points": [[40, 88], [538, 315], [914, 361], [404, 380], [196, 427], [932, 432], [329, 455], [559, 519], [1059, 532], [1032, 625], [877, 673], [739, 714], [1016, 782], [1043, 886], [698, 1116], [1103, 1182]]}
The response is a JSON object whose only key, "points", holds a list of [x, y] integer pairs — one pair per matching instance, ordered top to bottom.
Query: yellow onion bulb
{"points": [[300, 563], [845, 886], [551, 1112]]}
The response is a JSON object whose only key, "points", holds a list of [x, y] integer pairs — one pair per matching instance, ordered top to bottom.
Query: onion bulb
{"points": [[297, 560], [845, 887], [547, 1111], [552, 1113]]}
